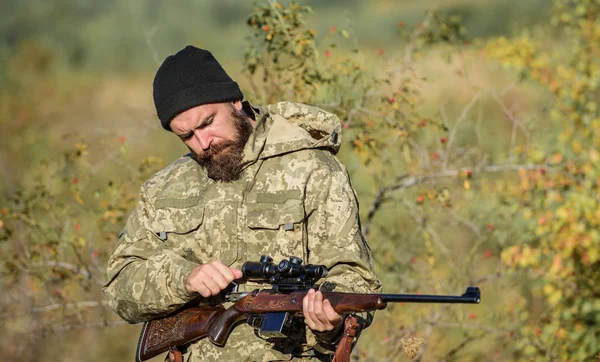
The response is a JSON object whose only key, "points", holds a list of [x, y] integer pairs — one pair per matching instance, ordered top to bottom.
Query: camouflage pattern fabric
{"points": [[293, 198]]}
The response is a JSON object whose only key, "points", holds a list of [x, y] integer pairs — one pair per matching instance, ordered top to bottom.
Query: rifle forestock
{"points": [[264, 302]]}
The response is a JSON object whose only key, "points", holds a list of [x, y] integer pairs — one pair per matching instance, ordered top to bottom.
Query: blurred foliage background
{"points": [[470, 132]]}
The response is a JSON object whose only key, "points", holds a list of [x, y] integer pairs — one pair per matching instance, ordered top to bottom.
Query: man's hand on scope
{"points": [[211, 278], [319, 315]]}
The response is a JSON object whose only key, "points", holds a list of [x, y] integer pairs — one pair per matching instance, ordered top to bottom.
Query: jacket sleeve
{"points": [[335, 239], [144, 279]]}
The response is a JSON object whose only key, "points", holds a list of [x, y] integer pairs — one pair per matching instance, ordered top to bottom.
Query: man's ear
{"points": [[237, 105]]}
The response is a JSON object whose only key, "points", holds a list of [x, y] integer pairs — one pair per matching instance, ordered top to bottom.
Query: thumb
{"points": [[237, 273]]}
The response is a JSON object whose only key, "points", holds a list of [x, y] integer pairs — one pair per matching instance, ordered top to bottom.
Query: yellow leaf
{"points": [[345, 34], [467, 185], [78, 199], [549, 289], [555, 297]]}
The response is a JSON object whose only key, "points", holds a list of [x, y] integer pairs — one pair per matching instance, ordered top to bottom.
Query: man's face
{"points": [[216, 135]]}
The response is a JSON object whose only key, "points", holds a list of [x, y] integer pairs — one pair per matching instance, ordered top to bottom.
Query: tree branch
{"points": [[406, 181]]}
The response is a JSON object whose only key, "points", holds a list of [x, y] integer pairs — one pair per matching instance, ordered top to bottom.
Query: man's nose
{"points": [[204, 139]]}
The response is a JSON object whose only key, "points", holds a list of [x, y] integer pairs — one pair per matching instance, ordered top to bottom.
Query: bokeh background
{"points": [[470, 134]]}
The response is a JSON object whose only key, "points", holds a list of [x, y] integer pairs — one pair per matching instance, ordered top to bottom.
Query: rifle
{"points": [[269, 311]]}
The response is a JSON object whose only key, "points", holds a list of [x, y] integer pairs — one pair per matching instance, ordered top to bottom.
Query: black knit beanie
{"points": [[190, 78]]}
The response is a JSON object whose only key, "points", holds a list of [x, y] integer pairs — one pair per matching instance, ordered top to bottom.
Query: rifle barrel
{"points": [[471, 296]]}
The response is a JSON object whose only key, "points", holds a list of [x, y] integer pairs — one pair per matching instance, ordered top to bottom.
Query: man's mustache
{"points": [[213, 150]]}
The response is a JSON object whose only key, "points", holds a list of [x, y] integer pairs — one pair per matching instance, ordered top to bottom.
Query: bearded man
{"points": [[257, 181]]}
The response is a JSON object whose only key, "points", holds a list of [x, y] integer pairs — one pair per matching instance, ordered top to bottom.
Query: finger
{"points": [[223, 270], [237, 274], [209, 275], [219, 280], [212, 286], [203, 290], [306, 302], [314, 308], [320, 314], [332, 316]]}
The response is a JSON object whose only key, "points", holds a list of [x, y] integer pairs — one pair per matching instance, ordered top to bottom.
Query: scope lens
{"points": [[316, 271]]}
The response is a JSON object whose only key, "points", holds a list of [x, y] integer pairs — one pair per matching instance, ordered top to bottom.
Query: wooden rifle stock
{"points": [[185, 326]]}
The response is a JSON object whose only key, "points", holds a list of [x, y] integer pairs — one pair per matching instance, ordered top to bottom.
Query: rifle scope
{"points": [[264, 270]]}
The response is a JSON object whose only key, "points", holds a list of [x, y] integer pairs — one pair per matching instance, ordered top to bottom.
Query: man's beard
{"points": [[223, 161]]}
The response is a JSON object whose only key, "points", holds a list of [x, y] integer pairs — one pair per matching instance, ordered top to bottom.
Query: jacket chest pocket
{"points": [[179, 226], [222, 229], [275, 229]]}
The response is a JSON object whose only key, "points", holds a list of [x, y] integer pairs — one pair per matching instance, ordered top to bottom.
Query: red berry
{"points": [[265, 28], [332, 29], [327, 53], [391, 100], [423, 123], [122, 139], [443, 139], [543, 171], [468, 173], [75, 180], [420, 199], [77, 227], [490, 227], [488, 254], [413, 260], [472, 316], [538, 331]]}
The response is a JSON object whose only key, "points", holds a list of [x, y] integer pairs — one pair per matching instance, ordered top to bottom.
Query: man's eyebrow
{"points": [[205, 120], [200, 125]]}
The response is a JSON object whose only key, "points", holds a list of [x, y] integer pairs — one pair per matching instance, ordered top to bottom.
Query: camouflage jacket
{"points": [[293, 198]]}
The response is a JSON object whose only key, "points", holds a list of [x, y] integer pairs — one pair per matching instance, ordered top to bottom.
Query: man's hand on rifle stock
{"points": [[211, 278], [319, 315]]}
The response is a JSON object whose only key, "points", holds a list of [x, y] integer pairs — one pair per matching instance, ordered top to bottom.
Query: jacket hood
{"points": [[287, 127]]}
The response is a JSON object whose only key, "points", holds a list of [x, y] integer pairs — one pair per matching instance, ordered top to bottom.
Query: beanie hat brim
{"points": [[191, 97]]}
